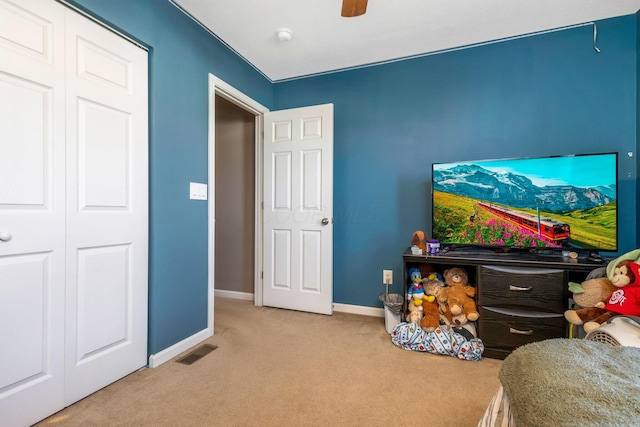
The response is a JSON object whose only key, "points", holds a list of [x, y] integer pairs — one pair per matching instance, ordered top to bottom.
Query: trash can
{"points": [[393, 304]]}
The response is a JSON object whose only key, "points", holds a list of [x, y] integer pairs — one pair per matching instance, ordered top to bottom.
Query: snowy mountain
{"points": [[517, 190]]}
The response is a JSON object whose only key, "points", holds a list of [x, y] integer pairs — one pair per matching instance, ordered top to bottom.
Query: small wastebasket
{"points": [[392, 310]]}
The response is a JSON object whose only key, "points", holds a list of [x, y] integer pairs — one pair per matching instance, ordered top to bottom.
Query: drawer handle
{"points": [[519, 288], [519, 332]]}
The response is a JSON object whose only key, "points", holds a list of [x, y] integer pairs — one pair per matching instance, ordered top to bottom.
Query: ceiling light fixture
{"points": [[284, 34]]}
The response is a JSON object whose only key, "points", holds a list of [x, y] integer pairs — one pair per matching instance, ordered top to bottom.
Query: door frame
{"points": [[219, 87]]}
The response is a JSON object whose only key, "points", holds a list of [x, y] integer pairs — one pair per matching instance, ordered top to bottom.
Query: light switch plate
{"points": [[197, 191]]}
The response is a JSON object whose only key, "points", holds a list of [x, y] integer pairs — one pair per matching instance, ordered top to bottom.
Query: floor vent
{"points": [[197, 354]]}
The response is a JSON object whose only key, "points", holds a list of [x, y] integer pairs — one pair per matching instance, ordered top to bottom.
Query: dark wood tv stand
{"points": [[521, 297]]}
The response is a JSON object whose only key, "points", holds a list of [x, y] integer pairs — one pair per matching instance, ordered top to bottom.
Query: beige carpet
{"points": [[285, 368]]}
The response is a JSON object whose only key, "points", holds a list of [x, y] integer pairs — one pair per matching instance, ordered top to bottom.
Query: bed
{"points": [[567, 382]]}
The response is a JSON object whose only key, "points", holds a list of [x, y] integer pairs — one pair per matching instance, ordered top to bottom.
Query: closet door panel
{"points": [[29, 29], [26, 118], [103, 157], [107, 208], [32, 210], [26, 281], [103, 289]]}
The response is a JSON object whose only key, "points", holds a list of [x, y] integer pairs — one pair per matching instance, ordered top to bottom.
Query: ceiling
{"points": [[323, 41]]}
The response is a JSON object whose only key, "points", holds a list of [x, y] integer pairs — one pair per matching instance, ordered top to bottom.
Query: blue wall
{"points": [[181, 56], [547, 94]]}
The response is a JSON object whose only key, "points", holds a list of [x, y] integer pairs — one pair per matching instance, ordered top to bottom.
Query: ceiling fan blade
{"points": [[351, 8]]}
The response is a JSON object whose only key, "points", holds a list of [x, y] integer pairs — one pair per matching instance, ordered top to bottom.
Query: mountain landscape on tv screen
{"points": [[518, 191]]}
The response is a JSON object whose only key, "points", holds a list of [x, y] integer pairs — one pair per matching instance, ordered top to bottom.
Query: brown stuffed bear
{"points": [[456, 276], [456, 300], [624, 300], [457, 304], [430, 311]]}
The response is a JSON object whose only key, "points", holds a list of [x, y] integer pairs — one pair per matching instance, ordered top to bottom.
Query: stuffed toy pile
{"points": [[606, 297], [624, 299], [440, 304]]}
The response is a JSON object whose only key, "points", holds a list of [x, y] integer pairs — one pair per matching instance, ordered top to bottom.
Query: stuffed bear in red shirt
{"points": [[625, 299]]}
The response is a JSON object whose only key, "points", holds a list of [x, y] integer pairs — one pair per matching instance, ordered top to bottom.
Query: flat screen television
{"points": [[555, 202]]}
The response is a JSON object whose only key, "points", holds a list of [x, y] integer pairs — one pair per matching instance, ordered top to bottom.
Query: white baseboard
{"points": [[234, 294], [344, 308], [359, 309], [169, 353]]}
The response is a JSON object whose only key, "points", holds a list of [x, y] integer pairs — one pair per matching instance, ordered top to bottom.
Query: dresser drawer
{"points": [[532, 288], [508, 330]]}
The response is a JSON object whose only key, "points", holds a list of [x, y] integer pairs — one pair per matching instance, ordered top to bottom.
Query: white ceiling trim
{"points": [[323, 42], [452, 49]]}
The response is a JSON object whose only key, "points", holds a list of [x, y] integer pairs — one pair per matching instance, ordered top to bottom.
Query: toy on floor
{"points": [[625, 299], [409, 336]]}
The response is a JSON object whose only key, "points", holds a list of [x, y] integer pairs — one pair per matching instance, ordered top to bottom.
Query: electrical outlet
{"points": [[387, 277]]}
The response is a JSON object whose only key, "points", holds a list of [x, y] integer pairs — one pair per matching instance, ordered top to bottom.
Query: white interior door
{"points": [[107, 208], [73, 209], [298, 209], [32, 211]]}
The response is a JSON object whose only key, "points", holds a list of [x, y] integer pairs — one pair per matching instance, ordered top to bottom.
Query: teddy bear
{"points": [[456, 276], [456, 299], [624, 300], [457, 304], [430, 310]]}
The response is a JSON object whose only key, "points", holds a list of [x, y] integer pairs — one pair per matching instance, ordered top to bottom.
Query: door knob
{"points": [[325, 221], [5, 236]]}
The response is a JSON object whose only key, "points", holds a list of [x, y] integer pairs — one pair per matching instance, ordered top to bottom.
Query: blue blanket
{"points": [[410, 336]]}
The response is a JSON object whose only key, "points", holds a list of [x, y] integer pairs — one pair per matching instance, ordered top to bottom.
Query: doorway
{"points": [[237, 110], [314, 125], [235, 132]]}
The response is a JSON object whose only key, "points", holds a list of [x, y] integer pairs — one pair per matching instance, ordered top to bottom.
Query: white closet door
{"points": [[32, 156], [107, 208], [73, 209]]}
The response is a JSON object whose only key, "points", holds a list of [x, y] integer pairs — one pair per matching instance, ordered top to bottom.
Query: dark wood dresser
{"points": [[521, 297]]}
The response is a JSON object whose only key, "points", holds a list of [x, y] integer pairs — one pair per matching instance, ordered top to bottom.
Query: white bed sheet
{"points": [[498, 413]]}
